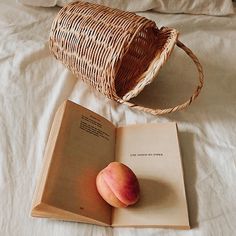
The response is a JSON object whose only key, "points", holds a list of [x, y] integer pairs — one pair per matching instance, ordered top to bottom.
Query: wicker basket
{"points": [[116, 52]]}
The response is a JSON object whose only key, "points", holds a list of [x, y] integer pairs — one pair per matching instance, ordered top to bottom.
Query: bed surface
{"points": [[33, 84]]}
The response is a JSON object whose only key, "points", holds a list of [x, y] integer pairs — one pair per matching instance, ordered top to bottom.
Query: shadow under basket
{"points": [[116, 52]]}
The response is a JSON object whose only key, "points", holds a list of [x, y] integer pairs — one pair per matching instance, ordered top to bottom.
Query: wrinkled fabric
{"points": [[207, 7], [33, 84]]}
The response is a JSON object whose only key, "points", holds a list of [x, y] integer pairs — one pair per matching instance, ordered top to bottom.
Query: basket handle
{"points": [[189, 101]]}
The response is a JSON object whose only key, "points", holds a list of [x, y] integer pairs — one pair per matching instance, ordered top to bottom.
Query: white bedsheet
{"points": [[33, 84]]}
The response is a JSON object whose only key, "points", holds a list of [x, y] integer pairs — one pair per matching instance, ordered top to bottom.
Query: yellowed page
{"points": [[84, 146], [152, 152]]}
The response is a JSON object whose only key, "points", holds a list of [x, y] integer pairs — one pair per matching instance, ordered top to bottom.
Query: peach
{"points": [[118, 185]]}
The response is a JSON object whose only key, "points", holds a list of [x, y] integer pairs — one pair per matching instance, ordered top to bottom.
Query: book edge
{"points": [[145, 124], [47, 158], [182, 170], [47, 211], [178, 227]]}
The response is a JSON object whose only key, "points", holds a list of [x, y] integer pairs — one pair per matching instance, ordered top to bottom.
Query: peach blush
{"points": [[118, 185]]}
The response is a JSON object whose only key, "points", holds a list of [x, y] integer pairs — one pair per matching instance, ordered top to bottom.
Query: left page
{"points": [[84, 146]]}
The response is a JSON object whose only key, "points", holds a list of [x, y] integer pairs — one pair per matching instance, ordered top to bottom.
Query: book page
{"points": [[84, 146], [152, 152]]}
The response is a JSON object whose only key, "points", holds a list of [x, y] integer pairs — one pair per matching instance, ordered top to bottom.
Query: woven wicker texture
{"points": [[116, 52]]}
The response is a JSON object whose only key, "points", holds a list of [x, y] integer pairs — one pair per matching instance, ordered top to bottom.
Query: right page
{"points": [[152, 152]]}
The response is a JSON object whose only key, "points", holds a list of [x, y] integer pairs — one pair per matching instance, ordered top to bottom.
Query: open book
{"points": [[81, 143]]}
